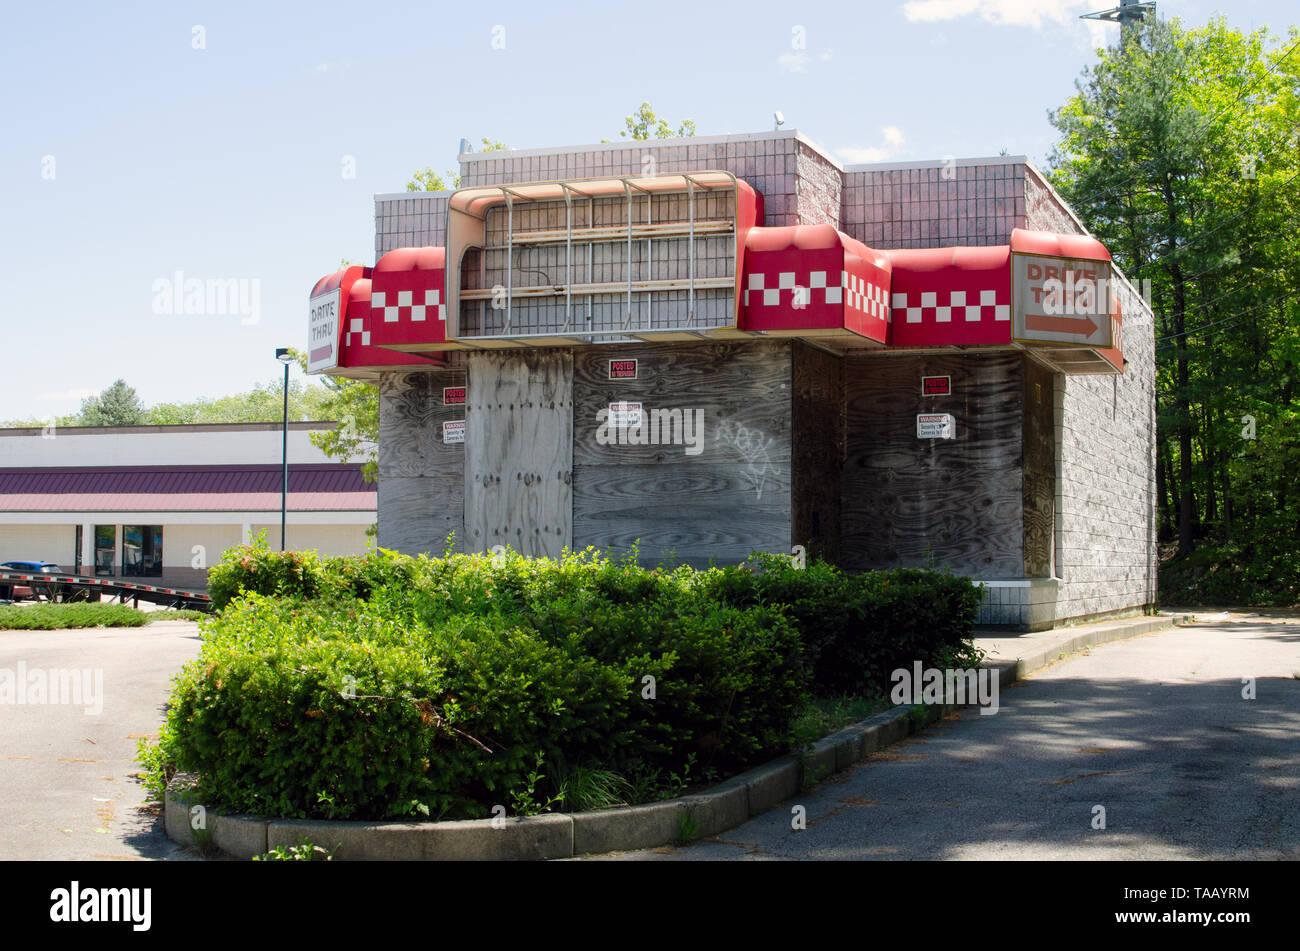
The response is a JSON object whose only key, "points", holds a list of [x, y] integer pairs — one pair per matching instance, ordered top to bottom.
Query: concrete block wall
{"points": [[935, 204], [410, 220], [1105, 444], [1028, 605]]}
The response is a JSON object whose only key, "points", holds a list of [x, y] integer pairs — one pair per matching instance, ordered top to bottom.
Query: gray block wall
{"points": [[935, 204], [410, 220], [1105, 438]]}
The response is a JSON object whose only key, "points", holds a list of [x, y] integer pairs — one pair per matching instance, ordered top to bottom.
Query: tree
{"points": [[644, 124], [1178, 151], [427, 180], [264, 403], [116, 405]]}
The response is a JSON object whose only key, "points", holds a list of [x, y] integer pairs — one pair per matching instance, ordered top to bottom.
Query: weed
{"points": [[584, 788], [688, 827], [304, 851]]}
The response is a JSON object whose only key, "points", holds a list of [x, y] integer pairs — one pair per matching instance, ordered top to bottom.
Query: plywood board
{"points": [[519, 452], [421, 480], [727, 497], [910, 501]]}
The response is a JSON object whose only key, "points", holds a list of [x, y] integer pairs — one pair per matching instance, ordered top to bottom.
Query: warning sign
{"points": [[622, 369], [936, 386], [453, 395], [624, 414], [936, 426], [453, 431]]}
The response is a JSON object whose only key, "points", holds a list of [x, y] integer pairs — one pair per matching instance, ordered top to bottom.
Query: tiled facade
{"points": [[1104, 532]]}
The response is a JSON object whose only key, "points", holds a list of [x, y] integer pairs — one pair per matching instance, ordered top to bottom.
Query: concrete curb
{"points": [[1042, 650], [673, 821]]}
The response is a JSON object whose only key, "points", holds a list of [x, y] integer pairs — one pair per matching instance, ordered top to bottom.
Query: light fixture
{"points": [[778, 118], [284, 356]]}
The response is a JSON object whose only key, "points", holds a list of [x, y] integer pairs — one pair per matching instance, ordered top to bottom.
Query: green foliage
{"points": [[644, 124], [1179, 151], [427, 180], [264, 403], [117, 405], [355, 405], [186, 614], [52, 617], [858, 628], [382, 686], [822, 716], [156, 771], [584, 788], [688, 827], [304, 851]]}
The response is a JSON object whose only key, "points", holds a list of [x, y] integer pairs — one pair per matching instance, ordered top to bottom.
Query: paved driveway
{"points": [[1154, 730], [65, 785]]}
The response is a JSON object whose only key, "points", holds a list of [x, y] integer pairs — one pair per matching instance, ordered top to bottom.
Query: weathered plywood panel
{"points": [[818, 450], [519, 452], [1040, 470], [421, 479], [729, 495], [906, 500], [688, 513]]}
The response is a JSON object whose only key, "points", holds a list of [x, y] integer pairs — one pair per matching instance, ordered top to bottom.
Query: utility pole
{"points": [[1128, 14]]}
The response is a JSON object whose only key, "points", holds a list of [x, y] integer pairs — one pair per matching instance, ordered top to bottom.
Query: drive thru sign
{"points": [[1064, 301]]}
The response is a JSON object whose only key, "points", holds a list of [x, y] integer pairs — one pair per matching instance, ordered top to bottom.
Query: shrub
{"points": [[49, 617], [382, 686], [338, 709]]}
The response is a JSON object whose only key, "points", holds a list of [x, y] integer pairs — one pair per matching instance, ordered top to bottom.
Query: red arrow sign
{"points": [[1077, 326]]}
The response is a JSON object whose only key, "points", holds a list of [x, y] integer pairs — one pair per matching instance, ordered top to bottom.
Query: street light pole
{"points": [[282, 354]]}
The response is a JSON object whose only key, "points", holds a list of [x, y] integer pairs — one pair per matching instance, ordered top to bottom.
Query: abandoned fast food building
{"points": [[707, 347]]}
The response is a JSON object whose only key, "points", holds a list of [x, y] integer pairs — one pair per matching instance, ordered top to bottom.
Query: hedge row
{"points": [[385, 685]]}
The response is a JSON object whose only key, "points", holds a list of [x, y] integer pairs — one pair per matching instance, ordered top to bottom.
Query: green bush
{"points": [[49, 617], [858, 628], [383, 685]]}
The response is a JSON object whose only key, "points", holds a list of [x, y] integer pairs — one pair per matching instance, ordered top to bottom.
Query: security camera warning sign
{"points": [[936, 426]]}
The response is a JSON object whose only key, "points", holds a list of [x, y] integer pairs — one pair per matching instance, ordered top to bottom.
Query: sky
{"points": [[149, 144]]}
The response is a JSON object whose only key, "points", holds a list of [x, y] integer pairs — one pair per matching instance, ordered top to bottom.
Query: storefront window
{"points": [[105, 548], [142, 550]]}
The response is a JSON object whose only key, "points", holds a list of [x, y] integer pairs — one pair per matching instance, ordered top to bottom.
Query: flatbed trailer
{"points": [[78, 588]]}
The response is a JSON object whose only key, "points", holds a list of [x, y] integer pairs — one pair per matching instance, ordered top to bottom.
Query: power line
{"points": [[1202, 234], [1225, 320]]}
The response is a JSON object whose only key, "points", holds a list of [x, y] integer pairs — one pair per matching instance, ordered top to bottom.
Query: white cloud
{"points": [[1033, 13], [893, 142], [68, 395]]}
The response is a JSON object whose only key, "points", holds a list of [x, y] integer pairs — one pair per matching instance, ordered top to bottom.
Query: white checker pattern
{"points": [[851, 290], [925, 304]]}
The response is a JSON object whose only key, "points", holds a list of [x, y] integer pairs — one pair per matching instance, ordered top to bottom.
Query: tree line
{"points": [[1179, 150]]}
